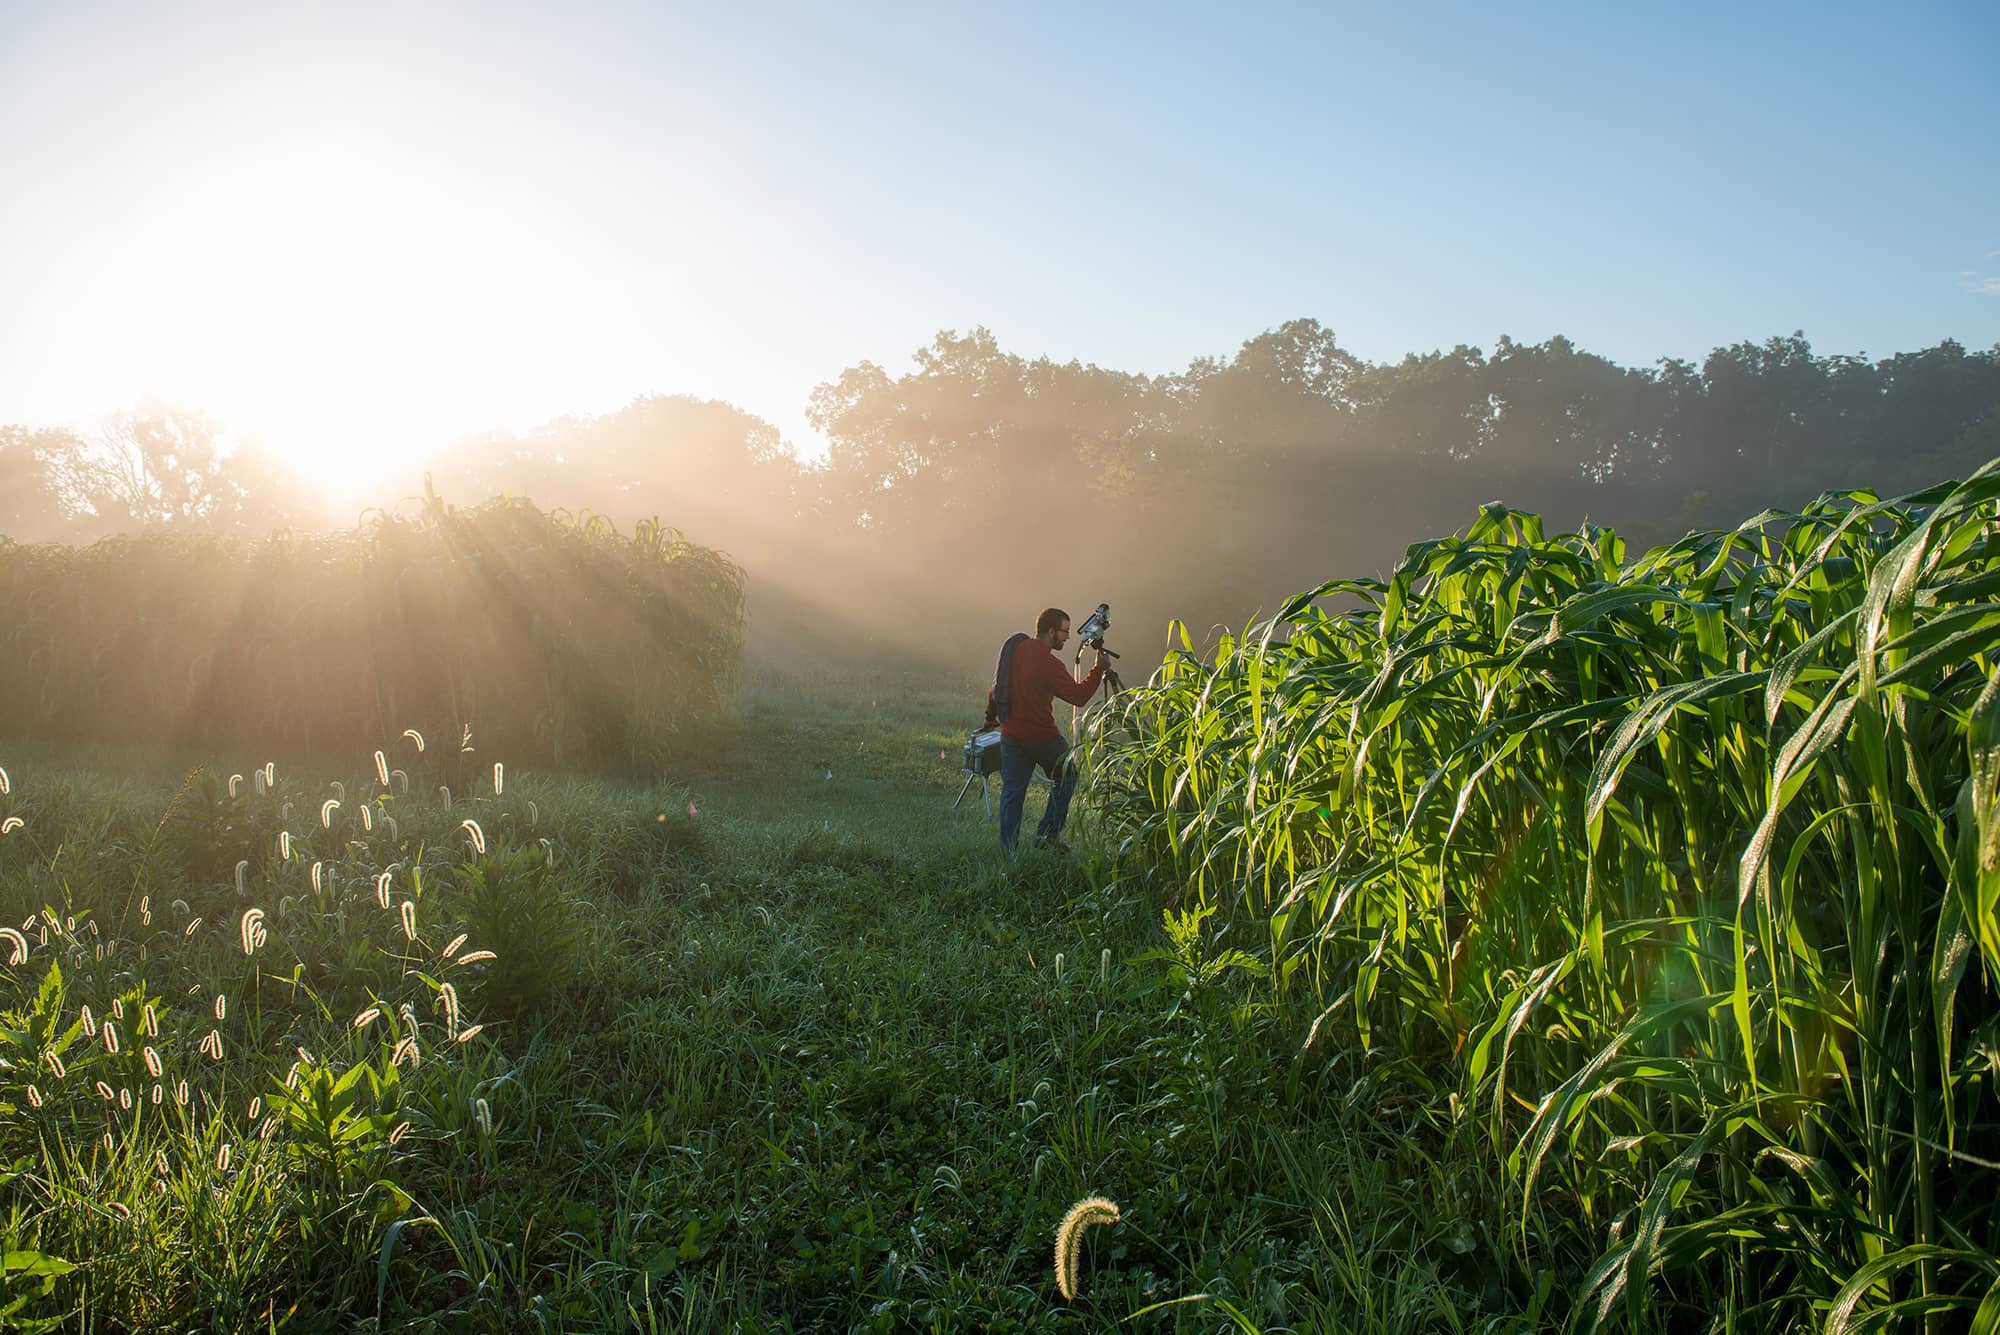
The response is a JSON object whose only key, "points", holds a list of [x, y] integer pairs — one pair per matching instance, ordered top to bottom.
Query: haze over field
{"points": [[360, 243]]}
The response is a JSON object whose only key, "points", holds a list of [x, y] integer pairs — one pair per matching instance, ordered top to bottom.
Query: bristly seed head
{"points": [[416, 737], [382, 768], [499, 778], [235, 782], [326, 810], [11, 824], [477, 835], [382, 888], [409, 912], [252, 926], [451, 948], [17, 952], [476, 956], [368, 1017], [153, 1067], [1069, 1238]]}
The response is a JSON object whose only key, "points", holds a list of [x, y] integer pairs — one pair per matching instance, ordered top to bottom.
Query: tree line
{"points": [[959, 496]]}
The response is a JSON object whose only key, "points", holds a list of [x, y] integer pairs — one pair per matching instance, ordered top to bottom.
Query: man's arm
{"points": [[1068, 687]]}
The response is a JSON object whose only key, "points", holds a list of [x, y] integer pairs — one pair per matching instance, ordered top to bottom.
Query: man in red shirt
{"points": [[1033, 677]]}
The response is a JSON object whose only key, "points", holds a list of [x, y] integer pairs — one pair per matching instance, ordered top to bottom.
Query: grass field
{"points": [[778, 1043]]}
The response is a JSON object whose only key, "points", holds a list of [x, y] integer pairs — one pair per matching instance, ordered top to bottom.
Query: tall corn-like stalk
{"points": [[1675, 868]]}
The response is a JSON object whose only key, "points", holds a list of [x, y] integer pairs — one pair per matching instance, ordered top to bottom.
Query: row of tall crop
{"points": [[555, 640], [1673, 882]]}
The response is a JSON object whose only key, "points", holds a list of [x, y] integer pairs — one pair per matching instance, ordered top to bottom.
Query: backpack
{"points": [[999, 700]]}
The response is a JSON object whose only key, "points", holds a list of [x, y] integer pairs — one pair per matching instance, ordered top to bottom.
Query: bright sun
{"points": [[344, 310]]}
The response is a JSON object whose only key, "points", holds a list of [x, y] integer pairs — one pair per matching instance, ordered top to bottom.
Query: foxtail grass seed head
{"points": [[416, 737], [382, 768], [270, 774], [499, 778], [235, 782], [257, 782], [5, 787], [339, 790], [444, 794], [326, 810], [285, 812], [534, 815], [367, 818], [11, 824], [395, 832], [476, 835], [285, 845], [316, 878], [382, 888], [145, 910], [409, 912], [193, 923], [252, 927], [17, 947], [451, 947], [476, 956], [1059, 964], [1104, 967], [448, 999], [221, 1007], [368, 1017], [87, 1020], [149, 1022], [467, 1035], [110, 1036], [212, 1045], [405, 1047], [56, 1067], [153, 1067], [106, 1092], [181, 1093], [156, 1094], [34, 1097], [125, 1100], [256, 1108], [482, 1113], [266, 1128], [398, 1131], [110, 1146], [222, 1157], [1069, 1239]]}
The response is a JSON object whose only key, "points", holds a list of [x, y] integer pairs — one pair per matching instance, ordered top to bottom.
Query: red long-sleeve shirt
{"points": [[1035, 677]]}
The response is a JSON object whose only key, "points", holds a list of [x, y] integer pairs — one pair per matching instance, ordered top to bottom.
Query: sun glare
{"points": [[343, 309]]}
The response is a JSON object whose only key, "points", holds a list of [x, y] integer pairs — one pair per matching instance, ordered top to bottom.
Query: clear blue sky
{"points": [[456, 217]]}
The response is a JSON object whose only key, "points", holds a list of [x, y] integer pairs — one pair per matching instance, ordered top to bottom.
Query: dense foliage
{"points": [[1288, 458], [552, 640], [1670, 881]]}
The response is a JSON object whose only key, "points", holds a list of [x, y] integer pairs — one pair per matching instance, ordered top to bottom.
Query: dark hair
{"points": [[1050, 618]]}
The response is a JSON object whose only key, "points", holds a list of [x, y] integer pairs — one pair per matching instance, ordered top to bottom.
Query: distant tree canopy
{"points": [[960, 495]]}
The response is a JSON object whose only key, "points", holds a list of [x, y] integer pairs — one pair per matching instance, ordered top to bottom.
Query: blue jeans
{"points": [[1017, 767]]}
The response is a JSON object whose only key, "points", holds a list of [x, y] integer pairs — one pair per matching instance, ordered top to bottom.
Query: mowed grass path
{"points": [[828, 1062]]}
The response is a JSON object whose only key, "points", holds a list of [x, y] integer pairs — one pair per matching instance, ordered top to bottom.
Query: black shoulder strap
{"points": [[1003, 688]]}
